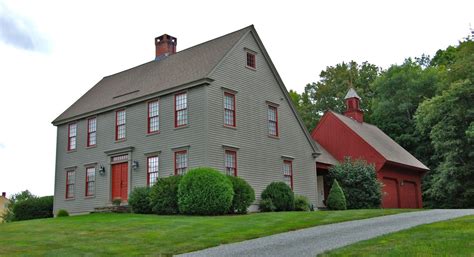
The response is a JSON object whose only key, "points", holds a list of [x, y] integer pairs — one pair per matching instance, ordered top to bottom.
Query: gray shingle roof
{"points": [[183, 67], [351, 93], [382, 143], [325, 156]]}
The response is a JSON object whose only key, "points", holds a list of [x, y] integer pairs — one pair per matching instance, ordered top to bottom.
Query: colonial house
{"points": [[219, 104], [339, 136], [3, 205]]}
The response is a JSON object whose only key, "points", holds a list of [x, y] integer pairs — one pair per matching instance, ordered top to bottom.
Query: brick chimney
{"points": [[165, 45], [353, 106], [4, 194]]}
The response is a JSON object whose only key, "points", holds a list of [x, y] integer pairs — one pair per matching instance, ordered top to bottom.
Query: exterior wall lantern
{"points": [[135, 165], [102, 170]]}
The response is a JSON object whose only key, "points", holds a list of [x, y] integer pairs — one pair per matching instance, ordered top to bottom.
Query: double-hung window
{"points": [[251, 60], [181, 109], [229, 109], [153, 116], [120, 120], [272, 121], [91, 132], [72, 137], [230, 160], [180, 162], [153, 168], [288, 173], [90, 181], [70, 183]]}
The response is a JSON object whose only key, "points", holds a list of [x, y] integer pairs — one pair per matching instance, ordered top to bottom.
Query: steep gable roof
{"points": [[183, 67], [382, 143]]}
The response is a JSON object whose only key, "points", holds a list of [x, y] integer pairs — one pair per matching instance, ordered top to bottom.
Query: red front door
{"points": [[120, 181]]}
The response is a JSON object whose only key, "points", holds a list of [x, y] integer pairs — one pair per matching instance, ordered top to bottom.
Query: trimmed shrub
{"points": [[359, 183], [205, 191], [164, 195], [244, 195], [281, 195], [336, 198], [139, 200], [301, 203], [266, 205], [33, 208], [62, 213]]}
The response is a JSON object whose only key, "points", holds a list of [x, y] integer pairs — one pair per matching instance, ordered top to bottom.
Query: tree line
{"points": [[425, 104]]}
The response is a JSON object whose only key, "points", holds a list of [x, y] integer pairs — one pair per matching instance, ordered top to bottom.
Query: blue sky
{"points": [[52, 52]]}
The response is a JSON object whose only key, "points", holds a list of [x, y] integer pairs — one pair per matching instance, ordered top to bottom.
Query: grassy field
{"points": [[138, 235], [447, 238]]}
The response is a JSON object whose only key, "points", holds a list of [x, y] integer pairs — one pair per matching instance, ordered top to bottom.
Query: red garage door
{"points": [[390, 194], [408, 195]]}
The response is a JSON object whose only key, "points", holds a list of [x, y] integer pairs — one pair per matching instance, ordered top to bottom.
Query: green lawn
{"points": [[134, 234], [447, 238]]}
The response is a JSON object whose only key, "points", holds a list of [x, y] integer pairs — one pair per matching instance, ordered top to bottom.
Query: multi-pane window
{"points": [[251, 60], [181, 109], [229, 109], [153, 116], [120, 118], [272, 121], [91, 132], [72, 137], [180, 162], [231, 162], [153, 167], [288, 173], [90, 181], [70, 183]]}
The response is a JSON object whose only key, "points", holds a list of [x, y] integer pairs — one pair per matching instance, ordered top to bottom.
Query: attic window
{"points": [[251, 60]]}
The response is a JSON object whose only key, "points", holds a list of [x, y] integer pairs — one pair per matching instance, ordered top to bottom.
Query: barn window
{"points": [[181, 109], [229, 109], [153, 116], [120, 120], [272, 121], [91, 132], [72, 137], [180, 162], [231, 163], [153, 167], [288, 173], [90, 181], [70, 183]]}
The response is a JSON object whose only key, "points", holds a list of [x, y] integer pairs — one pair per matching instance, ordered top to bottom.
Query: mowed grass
{"points": [[153, 235], [447, 238]]}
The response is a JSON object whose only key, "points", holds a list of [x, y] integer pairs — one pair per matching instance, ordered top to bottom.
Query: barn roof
{"points": [[183, 67], [381, 142], [325, 157]]}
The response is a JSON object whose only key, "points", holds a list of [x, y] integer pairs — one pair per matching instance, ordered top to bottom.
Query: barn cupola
{"points": [[165, 46], [353, 106]]}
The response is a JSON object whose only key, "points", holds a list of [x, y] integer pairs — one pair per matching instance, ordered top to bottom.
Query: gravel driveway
{"points": [[311, 241]]}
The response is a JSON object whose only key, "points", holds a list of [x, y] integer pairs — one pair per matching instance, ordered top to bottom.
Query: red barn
{"points": [[348, 135]]}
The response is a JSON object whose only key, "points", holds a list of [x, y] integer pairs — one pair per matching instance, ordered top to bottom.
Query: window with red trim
{"points": [[251, 60], [181, 109], [229, 109], [153, 116], [120, 120], [272, 120], [91, 132], [72, 137], [230, 160], [180, 162], [152, 167], [288, 173], [90, 181], [70, 183]]}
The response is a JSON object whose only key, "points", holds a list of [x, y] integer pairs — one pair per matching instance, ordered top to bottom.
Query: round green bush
{"points": [[204, 191], [164, 195], [244, 195], [281, 195], [336, 199], [139, 200], [301, 203], [266, 205], [33, 208], [62, 213]]}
